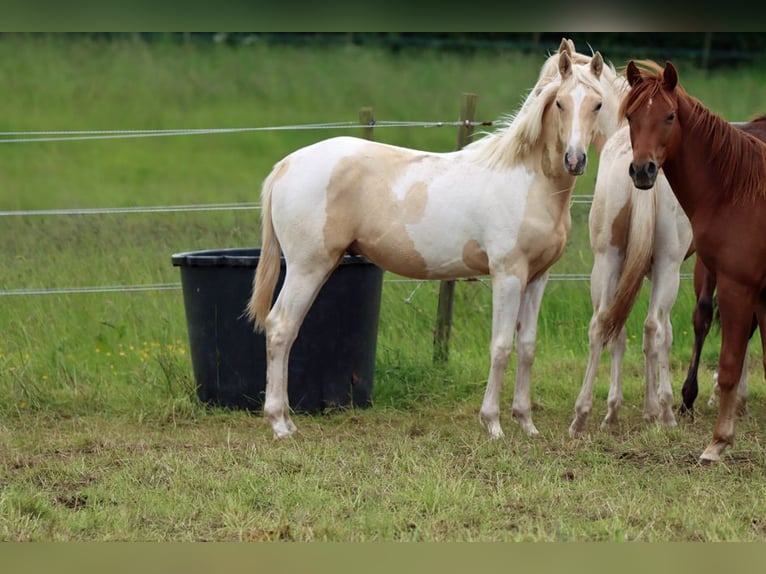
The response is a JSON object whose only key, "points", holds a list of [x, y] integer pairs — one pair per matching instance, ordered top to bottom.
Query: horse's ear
{"points": [[566, 46], [597, 64], [565, 65], [633, 74], [669, 76]]}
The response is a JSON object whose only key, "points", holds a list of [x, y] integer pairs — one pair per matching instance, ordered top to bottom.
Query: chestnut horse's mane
{"points": [[739, 158]]}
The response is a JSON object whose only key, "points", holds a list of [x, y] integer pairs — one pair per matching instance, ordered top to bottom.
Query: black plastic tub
{"points": [[332, 361]]}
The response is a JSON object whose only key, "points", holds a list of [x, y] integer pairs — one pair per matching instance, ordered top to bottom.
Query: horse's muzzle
{"points": [[575, 163], [645, 175]]}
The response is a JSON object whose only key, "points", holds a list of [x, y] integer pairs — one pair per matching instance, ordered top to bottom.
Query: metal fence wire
{"points": [[51, 136]]}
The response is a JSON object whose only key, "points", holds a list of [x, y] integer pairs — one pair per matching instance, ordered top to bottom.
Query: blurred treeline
{"points": [[706, 49]]}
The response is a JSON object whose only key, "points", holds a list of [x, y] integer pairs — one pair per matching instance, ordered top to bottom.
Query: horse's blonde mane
{"points": [[519, 132]]}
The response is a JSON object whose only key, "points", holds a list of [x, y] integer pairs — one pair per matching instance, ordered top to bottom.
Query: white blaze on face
{"points": [[575, 138]]}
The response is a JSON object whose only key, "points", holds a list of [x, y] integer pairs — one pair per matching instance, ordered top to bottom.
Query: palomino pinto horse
{"points": [[718, 175], [499, 206], [633, 234], [630, 238]]}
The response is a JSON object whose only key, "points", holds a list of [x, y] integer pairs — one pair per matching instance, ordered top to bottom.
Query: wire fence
{"points": [[55, 136]]}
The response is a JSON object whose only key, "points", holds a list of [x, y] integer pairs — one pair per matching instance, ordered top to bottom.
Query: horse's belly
{"points": [[403, 258]]}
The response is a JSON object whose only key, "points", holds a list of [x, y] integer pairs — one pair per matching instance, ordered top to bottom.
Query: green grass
{"points": [[101, 433]]}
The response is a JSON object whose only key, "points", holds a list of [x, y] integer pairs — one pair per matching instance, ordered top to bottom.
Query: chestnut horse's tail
{"points": [[638, 259], [267, 271]]}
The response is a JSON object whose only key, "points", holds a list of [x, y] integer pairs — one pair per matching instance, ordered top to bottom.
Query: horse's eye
{"points": [[558, 105], [598, 107], [627, 117], [671, 117]]}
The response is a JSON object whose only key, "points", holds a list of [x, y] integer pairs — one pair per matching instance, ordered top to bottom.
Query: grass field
{"points": [[101, 434]]}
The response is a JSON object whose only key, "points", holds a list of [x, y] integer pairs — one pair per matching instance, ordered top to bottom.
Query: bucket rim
{"points": [[239, 257]]}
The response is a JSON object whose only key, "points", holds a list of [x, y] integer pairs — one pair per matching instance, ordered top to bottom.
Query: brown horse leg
{"points": [[704, 286], [736, 304], [760, 316], [742, 390]]}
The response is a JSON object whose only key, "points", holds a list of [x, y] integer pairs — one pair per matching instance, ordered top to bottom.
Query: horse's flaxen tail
{"points": [[638, 259], [267, 271]]}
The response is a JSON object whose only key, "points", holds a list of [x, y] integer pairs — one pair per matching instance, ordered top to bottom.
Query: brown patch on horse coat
{"points": [[365, 216], [621, 227], [542, 236], [475, 257]]}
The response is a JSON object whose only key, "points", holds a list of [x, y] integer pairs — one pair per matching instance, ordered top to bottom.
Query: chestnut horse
{"points": [[718, 174], [499, 206], [703, 315]]}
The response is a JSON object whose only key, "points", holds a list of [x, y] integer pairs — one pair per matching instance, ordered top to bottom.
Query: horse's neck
{"points": [[614, 87], [688, 162], [557, 184]]}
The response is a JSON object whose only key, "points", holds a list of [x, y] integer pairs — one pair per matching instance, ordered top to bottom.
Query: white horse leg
{"points": [[603, 279], [506, 298], [285, 318], [526, 338], [658, 338], [665, 390], [614, 398], [584, 403]]}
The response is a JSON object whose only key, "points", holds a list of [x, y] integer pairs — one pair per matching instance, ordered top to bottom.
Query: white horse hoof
{"points": [[669, 422], [606, 425], [577, 428], [283, 429], [530, 429], [495, 432], [575, 432], [713, 452], [709, 457]]}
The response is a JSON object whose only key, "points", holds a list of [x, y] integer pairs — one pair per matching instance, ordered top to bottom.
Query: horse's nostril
{"points": [[651, 169], [632, 170]]}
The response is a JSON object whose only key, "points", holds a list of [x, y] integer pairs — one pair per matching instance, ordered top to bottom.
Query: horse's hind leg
{"points": [[301, 285], [702, 317], [658, 338], [616, 348]]}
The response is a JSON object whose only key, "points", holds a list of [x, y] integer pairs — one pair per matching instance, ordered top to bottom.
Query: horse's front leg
{"points": [[603, 277], [506, 298], [736, 304], [526, 338]]}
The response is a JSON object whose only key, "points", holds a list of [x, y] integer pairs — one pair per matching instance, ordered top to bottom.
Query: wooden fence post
{"points": [[447, 288]]}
